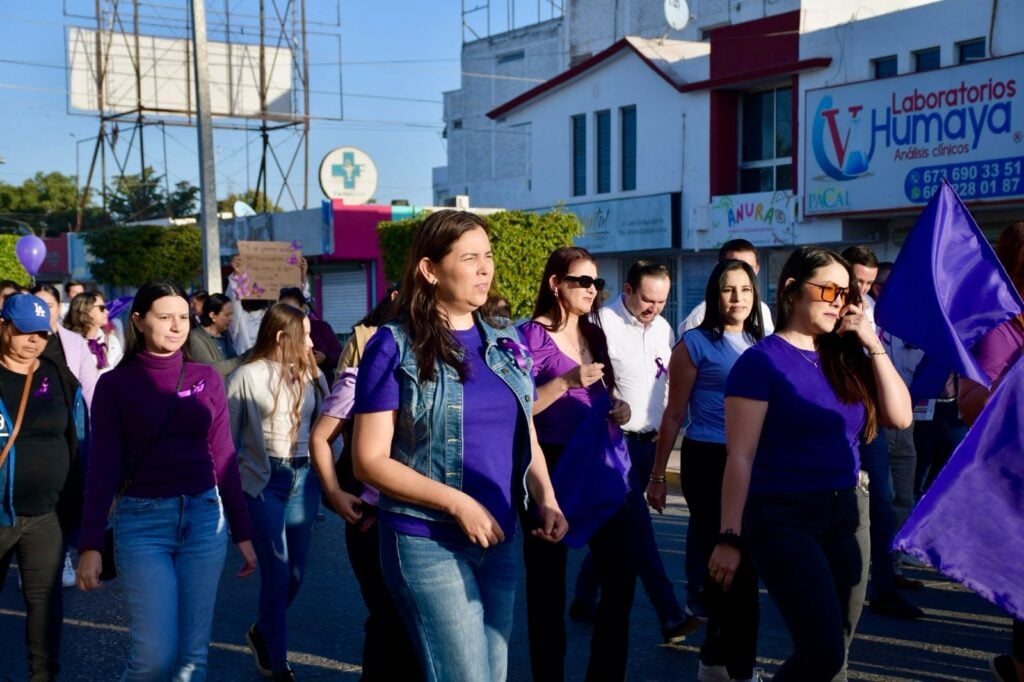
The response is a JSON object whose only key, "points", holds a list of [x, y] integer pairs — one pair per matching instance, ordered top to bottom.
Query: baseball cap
{"points": [[29, 314]]}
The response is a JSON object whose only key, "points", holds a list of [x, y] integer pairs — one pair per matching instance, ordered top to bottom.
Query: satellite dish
{"points": [[677, 14], [243, 209]]}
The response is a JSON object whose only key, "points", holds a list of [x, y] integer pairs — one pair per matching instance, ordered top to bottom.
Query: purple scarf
{"points": [[99, 349]]}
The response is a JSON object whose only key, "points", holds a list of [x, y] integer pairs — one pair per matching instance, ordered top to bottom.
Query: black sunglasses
{"points": [[586, 281], [101, 307]]}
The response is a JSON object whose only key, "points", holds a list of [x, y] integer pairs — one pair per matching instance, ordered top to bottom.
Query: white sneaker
{"points": [[68, 578], [712, 673]]}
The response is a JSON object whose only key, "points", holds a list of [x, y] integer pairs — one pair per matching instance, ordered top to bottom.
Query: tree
{"points": [[137, 197], [256, 200], [182, 202], [45, 203], [521, 243], [133, 255], [10, 266]]}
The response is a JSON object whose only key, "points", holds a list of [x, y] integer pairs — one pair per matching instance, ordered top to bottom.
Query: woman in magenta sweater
{"points": [[164, 458]]}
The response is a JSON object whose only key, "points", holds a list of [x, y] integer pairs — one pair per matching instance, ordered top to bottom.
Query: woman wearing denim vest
{"points": [[273, 399], [444, 430], [162, 447]]}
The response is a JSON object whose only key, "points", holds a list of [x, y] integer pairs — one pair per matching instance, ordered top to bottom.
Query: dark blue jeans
{"points": [[874, 459], [282, 519], [811, 552], [650, 568]]}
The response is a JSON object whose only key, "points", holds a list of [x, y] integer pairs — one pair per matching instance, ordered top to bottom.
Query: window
{"points": [[970, 51], [511, 57], [926, 60], [884, 67], [627, 119], [457, 124], [603, 126], [766, 145], [579, 155]]}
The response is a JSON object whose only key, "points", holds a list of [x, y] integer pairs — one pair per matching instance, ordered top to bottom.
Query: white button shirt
{"points": [[639, 358]]}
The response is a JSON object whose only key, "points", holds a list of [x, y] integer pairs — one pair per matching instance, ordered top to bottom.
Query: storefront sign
{"points": [[889, 143], [763, 218], [637, 224]]}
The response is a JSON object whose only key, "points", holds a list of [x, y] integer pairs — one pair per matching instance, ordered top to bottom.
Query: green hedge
{"points": [[521, 242], [132, 256], [10, 266]]}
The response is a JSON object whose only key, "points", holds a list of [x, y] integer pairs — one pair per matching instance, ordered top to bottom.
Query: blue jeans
{"points": [[874, 459], [282, 519], [170, 553], [649, 566], [457, 601]]}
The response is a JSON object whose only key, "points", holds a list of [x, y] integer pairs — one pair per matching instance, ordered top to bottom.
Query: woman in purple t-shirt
{"points": [[997, 352], [574, 376], [796, 405], [444, 431]]}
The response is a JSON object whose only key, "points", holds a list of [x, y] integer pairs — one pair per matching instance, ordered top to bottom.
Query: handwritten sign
{"points": [[268, 267]]}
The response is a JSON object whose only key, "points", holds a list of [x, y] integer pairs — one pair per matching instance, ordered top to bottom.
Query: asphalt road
{"points": [[954, 642]]}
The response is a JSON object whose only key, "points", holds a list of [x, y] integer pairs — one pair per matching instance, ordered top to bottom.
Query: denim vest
{"points": [[428, 429]]}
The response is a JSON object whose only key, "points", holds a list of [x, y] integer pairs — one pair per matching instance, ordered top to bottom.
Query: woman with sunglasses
{"points": [[87, 316], [698, 370], [572, 372], [795, 407]]}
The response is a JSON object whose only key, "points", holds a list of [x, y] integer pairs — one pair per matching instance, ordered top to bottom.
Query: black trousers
{"points": [[38, 544], [811, 551], [614, 559], [732, 615], [388, 653]]}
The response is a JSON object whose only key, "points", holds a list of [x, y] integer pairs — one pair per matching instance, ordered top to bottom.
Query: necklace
{"points": [[801, 354]]}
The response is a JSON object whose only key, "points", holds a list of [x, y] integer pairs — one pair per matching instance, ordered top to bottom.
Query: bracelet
{"points": [[877, 352], [658, 479], [729, 537]]}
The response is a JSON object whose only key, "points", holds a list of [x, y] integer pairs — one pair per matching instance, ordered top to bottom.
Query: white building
{"points": [[781, 122]]}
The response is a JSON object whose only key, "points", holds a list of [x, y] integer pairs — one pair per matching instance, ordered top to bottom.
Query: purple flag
{"points": [[946, 290], [591, 477], [970, 523]]}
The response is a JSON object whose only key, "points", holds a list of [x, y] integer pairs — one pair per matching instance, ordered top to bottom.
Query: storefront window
{"points": [[766, 148]]}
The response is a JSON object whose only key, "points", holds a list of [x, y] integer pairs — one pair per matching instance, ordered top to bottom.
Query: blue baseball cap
{"points": [[29, 314]]}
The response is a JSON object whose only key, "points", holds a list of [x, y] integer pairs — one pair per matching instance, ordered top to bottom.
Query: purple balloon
{"points": [[31, 252]]}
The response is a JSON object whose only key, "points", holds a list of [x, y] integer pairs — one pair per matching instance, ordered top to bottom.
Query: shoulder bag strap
{"points": [[21, 413], [159, 435]]}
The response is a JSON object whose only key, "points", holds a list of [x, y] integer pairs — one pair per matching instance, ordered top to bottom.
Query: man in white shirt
{"points": [[734, 249], [639, 345]]}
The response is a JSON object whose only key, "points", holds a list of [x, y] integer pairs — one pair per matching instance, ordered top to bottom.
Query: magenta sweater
{"points": [[131, 404]]}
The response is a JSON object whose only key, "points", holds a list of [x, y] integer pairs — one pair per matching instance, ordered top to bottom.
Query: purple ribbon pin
{"points": [[518, 350], [662, 369], [197, 388], [44, 389]]}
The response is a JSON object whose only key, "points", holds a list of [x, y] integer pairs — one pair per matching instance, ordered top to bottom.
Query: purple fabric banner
{"points": [[946, 290], [591, 477], [970, 523]]}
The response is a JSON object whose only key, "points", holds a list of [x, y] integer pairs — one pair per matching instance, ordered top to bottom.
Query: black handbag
{"points": [[108, 571]]}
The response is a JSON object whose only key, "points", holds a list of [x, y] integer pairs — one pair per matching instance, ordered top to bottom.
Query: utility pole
{"points": [[207, 182]]}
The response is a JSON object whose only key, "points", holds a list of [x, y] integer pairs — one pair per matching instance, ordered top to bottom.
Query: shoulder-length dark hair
{"points": [[149, 292], [548, 305], [416, 307], [78, 318], [714, 320], [847, 368]]}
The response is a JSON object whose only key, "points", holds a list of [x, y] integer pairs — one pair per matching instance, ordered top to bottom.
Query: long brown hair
{"points": [[548, 305], [416, 307], [78, 318], [282, 341], [843, 361]]}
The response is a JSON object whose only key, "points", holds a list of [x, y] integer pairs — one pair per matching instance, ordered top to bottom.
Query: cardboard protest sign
{"points": [[268, 267]]}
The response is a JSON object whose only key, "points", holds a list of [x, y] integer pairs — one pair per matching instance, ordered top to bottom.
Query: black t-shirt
{"points": [[43, 458]]}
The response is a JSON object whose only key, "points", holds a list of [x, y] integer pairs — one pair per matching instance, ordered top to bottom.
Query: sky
{"points": [[397, 58]]}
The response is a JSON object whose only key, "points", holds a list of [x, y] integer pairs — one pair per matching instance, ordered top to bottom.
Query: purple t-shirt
{"points": [[999, 349], [490, 417], [556, 424], [810, 440]]}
